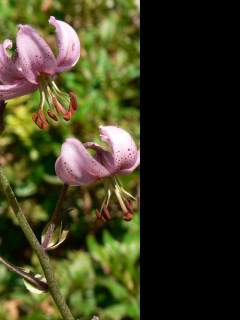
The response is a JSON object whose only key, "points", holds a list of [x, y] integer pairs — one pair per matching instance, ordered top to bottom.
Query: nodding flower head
{"points": [[33, 66], [76, 166]]}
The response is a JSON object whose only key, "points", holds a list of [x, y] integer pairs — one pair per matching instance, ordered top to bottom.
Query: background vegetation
{"points": [[98, 265]]}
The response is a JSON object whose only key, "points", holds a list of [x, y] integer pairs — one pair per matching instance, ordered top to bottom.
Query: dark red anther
{"points": [[73, 100], [56, 104], [71, 111], [52, 115], [42, 117], [67, 117], [38, 121], [129, 205], [106, 212], [100, 216], [128, 216]]}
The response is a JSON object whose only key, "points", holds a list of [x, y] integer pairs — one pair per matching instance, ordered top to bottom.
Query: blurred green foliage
{"points": [[98, 265]]}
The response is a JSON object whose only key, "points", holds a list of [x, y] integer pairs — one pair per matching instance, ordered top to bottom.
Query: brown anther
{"points": [[73, 100], [56, 104], [71, 111], [52, 115], [42, 117], [67, 117], [38, 121], [129, 205], [106, 212], [100, 216], [128, 216]]}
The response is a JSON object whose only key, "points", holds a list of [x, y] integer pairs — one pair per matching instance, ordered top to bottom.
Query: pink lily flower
{"points": [[33, 66], [77, 167], [95, 318]]}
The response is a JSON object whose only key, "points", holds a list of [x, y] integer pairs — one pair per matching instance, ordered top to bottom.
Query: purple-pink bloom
{"points": [[33, 66], [76, 166], [95, 318]]}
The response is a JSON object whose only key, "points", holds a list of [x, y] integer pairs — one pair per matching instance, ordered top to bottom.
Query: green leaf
{"points": [[98, 252], [31, 287], [117, 290], [117, 311]]}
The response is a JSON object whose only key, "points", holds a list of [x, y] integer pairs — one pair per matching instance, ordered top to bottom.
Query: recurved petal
{"points": [[68, 45], [35, 56], [9, 73], [20, 88], [124, 148], [104, 157], [107, 160], [79, 163], [130, 170]]}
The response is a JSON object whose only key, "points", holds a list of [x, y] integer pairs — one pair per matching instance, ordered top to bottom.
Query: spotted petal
{"points": [[68, 45], [35, 56], [9, 74], [18, 89], [125, 151], [78, 164], [130, 170], [63, 174]]}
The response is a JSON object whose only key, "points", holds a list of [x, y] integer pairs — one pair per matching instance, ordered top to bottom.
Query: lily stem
{"points": [[55, 217], [41, 254]]}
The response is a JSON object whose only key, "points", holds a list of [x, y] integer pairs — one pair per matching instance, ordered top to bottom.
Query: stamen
{"points": [[48, 89], [57, 90], [73, 101], [56, 104], [60, 109], [71, 111], [52, 115], [42, 117], [67, 117], [38, 121], [120, 187], [108, 196], [122, 204], [129, 205], [107, 214], [100, 216], [128, 216]]}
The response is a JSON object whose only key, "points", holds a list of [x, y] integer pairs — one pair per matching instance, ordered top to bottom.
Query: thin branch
{"points": [[40, 284]]}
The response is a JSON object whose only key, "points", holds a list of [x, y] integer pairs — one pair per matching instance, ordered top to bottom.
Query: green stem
{"points": [[41, 254]]}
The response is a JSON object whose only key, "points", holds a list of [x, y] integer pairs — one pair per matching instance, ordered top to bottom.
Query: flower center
{"points": [[50, 94]]}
